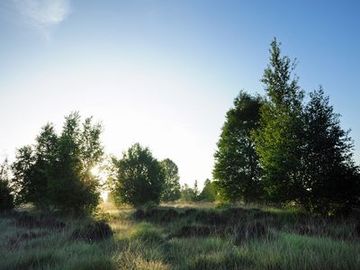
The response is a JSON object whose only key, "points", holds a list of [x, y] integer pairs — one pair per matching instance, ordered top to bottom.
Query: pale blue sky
{"points": [[164, 73]]}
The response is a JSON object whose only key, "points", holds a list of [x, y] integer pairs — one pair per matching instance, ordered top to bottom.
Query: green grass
{"points": [[292, 241]]}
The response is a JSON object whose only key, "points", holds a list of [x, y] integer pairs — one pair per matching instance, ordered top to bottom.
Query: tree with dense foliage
{"points": [[279, 139], [236, 167], [54, 173], [139, 178], [332, 179], [171, 187], [208, 193], [6, 196]]}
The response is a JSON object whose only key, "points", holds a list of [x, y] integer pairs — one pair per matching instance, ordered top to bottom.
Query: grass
{"points": [[185, 237]]}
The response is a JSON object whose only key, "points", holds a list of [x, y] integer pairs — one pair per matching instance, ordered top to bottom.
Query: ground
{"points": [[196, 236]]}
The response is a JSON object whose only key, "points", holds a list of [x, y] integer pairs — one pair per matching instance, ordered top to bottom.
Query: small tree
{"points": [[236, 167], [54, 173], [139, 177], [171, 187], [209, 191], [188, 193], [6, 196]]}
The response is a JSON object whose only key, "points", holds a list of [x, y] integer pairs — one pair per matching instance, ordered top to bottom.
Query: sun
{"points": [[102, 176]]}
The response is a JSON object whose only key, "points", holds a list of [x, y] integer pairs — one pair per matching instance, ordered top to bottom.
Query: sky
{"points": [[164, 72]]}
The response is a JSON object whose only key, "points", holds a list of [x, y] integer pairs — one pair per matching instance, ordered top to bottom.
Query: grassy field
{"points": [[197, 236]]}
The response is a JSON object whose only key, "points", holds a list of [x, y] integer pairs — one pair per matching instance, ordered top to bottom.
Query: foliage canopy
{"points": [[55, 172]]}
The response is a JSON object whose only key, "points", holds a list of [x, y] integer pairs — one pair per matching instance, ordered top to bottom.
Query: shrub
{"points": [[96, 231]]}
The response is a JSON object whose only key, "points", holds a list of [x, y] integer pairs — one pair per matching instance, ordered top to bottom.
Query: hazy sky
{"points": [[164, 73]]}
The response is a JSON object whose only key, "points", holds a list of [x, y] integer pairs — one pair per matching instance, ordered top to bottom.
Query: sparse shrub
{"points": [[95, 231]]}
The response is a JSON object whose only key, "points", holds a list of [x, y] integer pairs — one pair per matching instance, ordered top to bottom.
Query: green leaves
{"points": [[279, 139], [293, 152], [236, 162], [54, 173], [139, 177], [171, 186]]}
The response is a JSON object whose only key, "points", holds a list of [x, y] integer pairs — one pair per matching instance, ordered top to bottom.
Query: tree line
{"points": [[275, 148], [280, 149]]}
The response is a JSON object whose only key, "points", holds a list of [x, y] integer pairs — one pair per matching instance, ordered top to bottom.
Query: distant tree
{"points": [[279, 139], [236, 167], [54, 173], [139, 178], [332, 179], [171, 187], [209, 192], [188, 193], [6, 196]]}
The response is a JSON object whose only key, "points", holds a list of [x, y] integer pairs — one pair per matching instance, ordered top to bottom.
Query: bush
{"points": [[96, 231]]}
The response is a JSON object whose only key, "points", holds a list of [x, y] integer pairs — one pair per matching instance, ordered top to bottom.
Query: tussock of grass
{"points": [[235, 238]]}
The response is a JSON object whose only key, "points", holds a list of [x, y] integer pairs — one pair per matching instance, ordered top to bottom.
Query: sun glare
{"points": [[101, 175]]}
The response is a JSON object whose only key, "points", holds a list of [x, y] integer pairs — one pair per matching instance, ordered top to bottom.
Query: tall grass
{"points": [[291, 240]]}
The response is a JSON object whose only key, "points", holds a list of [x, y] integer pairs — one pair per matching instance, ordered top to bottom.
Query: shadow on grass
{"points": [[236, 238], [44, 241]]}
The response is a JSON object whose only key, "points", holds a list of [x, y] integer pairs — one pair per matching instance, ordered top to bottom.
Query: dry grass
{"points": [[290, 240]]}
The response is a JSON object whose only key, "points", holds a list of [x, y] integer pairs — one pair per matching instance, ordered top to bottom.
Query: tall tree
{"points": [[279, 142], [236, 162], [54, 173], [139, 177], [332, 179], [171, 187]]}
